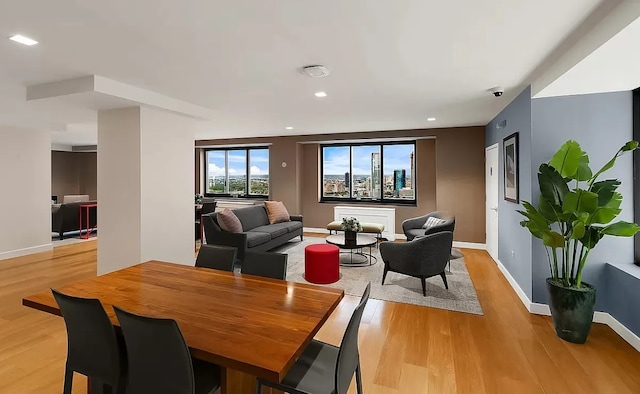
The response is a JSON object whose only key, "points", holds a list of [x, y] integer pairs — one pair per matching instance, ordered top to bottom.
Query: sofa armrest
{"points": [[296, 218]]}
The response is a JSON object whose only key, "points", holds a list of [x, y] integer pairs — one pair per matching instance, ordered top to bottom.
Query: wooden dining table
{"points": [[249, 326]]}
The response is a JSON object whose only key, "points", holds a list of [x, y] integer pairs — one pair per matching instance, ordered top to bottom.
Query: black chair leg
{"points": [[384, 274], [444, 279], [424, 286], [358, 380], [68, 381], [258, 386]]}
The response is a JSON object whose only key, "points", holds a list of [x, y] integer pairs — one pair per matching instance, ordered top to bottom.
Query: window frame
{"points": [[636, 172], [247, 194], [370, 201]]}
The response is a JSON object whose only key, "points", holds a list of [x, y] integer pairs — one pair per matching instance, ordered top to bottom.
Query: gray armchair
{"points": [[414, 227], [424, 257]]}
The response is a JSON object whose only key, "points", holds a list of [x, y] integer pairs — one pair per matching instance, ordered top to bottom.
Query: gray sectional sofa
{"points": [[257, 234]]}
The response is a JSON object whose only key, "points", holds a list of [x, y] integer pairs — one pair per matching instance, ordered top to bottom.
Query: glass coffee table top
{"points": [[355, 248]]}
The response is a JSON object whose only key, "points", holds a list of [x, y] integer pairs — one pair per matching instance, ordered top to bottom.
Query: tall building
{"points": [[375, 175], [346, 180], [399, 181], [412, 181]]}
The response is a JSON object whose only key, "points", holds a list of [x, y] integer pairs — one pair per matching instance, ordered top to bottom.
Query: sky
{"points": [[396, 157], [259, 162]]}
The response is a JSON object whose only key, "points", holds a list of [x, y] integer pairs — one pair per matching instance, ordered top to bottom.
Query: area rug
{"points": [[460, 297]]}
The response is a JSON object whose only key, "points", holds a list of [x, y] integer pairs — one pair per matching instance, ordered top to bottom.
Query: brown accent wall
{"points": [[449, 171], [74, 173]]}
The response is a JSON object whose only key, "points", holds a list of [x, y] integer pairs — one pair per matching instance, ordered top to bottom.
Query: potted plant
{"points": [[198, 198], [574, 212], [350, 226]]}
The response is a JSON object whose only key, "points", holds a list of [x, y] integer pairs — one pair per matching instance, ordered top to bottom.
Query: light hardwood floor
{"points": [[403, 348]]}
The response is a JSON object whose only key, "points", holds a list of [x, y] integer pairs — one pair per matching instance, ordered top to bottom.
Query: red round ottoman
{"points": [[322, 263]]}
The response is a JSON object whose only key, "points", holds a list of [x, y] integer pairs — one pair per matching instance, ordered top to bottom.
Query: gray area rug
{"points": [[460, 297]]}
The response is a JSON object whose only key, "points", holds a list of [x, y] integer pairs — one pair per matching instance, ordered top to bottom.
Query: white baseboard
{"points": [[315, 230], [469, 245], [25, 251], [516, 287], [598, 317]]}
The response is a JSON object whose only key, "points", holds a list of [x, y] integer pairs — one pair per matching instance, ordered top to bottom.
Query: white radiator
{"points": [[385, 216]]}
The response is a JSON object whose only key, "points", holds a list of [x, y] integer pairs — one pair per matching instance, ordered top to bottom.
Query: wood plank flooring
{"points": [[403, 348]]}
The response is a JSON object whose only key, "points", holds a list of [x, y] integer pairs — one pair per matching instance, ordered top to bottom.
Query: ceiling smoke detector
{"points": [[315, 71]]}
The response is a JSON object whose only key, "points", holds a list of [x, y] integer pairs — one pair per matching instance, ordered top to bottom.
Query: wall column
{"points": [[145, 188]]}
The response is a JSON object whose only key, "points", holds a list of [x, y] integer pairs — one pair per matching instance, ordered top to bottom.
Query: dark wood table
{"points": [[250, 326]]}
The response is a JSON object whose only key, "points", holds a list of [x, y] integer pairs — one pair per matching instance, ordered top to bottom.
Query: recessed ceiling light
{"points": [[23, 39], [320, 94], [431, 119], [289, 128]]}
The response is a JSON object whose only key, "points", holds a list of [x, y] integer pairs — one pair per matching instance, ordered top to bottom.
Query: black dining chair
{"points": [[217, 257], [265, 264], [92, 346], [159, 359], [324, 368]]}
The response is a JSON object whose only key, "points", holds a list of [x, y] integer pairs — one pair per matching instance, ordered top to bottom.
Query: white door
{"points": [[491, 176]]}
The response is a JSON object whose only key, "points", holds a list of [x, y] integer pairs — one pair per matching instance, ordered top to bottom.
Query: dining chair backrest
{"points": [[208, 207], [216, 257], [265, 264], [91, 339], [348, 355], [158, 357]]}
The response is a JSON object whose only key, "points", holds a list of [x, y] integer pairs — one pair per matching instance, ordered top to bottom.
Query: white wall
{"points": [[167, 172], [145, 188], [25, 192]]}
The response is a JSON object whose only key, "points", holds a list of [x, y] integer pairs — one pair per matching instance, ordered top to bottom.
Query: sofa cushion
{"points": [[277, 212], [252, 217], [228, 221], [290, 226], [273, 229], [255, 238]]}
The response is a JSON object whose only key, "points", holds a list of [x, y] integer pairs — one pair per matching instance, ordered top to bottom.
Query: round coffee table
{"points": [[362, 241]]}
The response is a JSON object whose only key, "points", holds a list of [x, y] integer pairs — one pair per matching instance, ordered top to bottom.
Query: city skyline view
{"points": [[231, 165], [354, 171]]}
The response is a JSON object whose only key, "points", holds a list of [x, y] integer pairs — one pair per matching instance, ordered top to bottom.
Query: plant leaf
{"points": [[628, 147], [567, 159], [584, 172], [552, 186], [605, 190], [579, 201], [548, 210], [621, 229], [578, 230], [591, 237], [553, 239]]}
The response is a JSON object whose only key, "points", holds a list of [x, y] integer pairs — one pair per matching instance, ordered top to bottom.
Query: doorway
{"points": [[492, 191]]}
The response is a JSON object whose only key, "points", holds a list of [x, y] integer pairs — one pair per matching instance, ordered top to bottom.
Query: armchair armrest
{"points": [[296, 218]]}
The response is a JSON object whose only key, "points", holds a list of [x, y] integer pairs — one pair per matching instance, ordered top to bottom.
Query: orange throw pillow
{"points": [[276, 212], [229, 222]]}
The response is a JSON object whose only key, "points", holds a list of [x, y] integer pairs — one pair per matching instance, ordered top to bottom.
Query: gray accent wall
{"points": [[601, 123], [514, 242]]}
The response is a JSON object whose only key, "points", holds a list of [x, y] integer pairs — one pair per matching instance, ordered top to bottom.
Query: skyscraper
{"points": [[375, 175], [346, 180], [399, 181], [412, 182]]}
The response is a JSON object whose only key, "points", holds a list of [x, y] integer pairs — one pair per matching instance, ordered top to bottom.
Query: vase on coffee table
{"points": [[350, 238]]}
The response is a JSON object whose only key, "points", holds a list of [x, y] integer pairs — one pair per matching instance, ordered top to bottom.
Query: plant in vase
{"points": [[198, 199], [575, 211], [350, 226]]}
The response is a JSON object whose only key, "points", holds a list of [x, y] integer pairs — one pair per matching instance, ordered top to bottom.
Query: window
{"points": [[237, 172], [369, 172]]}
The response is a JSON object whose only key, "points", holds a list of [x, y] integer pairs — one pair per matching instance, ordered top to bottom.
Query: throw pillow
{"points": [[276, 212], [228, 221], [432, 221]]}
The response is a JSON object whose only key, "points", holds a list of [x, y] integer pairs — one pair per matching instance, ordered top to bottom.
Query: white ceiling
{"points": [[392, 63], [613, 67]]}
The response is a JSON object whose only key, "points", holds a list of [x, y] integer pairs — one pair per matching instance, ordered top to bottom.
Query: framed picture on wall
{"points": [[510, 154]]}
